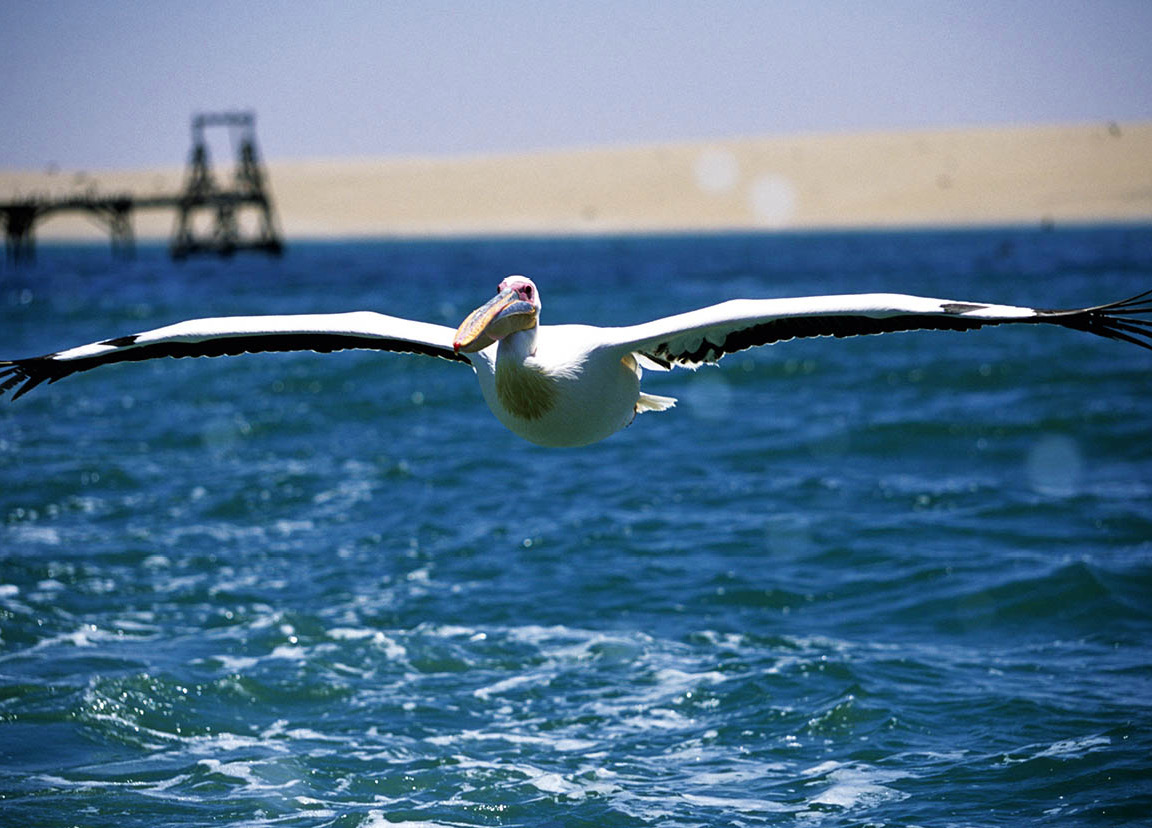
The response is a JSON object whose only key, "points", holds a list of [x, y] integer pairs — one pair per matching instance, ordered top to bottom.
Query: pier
{"points": [[202, 201]]}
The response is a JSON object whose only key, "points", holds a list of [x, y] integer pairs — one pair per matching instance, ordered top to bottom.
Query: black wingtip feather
{"points": [[1115, 320], [22, 376]]}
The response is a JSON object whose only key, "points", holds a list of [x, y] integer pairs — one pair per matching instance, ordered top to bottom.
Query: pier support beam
{"points": [[119, 219], [19, 235]]}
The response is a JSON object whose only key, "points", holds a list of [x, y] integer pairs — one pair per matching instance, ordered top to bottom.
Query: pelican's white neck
{"points": [[518, 346], [525, 389]]}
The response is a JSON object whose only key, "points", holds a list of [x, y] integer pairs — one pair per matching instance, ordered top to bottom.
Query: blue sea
{"points": [[896, 580]]}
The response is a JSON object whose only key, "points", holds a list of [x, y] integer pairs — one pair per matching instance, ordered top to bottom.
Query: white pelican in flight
{"points": [[571, 385]]}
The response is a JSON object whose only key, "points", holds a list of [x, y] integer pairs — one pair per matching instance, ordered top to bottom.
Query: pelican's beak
{"points": [[505, 313]]}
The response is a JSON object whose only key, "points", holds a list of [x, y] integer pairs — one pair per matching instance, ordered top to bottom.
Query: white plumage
{"points": [[570, 385]]}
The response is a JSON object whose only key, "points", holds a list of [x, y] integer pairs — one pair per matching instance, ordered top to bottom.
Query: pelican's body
{"points": [[571, 385], [570, 392]]}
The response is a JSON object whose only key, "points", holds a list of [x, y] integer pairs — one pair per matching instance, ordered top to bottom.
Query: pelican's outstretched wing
{"points": [[229, 335], [705, 335]]}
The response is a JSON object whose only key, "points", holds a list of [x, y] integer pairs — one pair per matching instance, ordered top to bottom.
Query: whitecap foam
{"points": [[345, 495], [290, 527], [222, 532], [46, 535], [131, 625], [446, 630], [351, 633], [85, 636], [289, 652], [234, 664], [674, 681], [506, 685], [658, 718], [126, 725], [310, 735], [225, 742], [560, 743], [1075, 748], [235, 770], [754, 772], [555, 783], [575, 785], [852, 785], [154, 788], [742, 805], [376, 819]]}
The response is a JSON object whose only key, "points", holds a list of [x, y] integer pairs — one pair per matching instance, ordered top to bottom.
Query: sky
{"points": [[102, 84]]}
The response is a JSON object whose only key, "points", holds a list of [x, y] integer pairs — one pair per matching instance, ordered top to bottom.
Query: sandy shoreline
{"points": [[986, 176]]}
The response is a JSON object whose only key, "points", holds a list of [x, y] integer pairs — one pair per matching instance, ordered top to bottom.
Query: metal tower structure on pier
{"points": [[224, 205]]}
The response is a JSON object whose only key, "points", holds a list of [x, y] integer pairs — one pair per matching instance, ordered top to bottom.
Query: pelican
{"points": [[572, 385]]}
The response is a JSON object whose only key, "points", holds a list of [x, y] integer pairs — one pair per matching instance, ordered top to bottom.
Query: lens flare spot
{"points": [[717, 171], [772, 200], [1055, 466]]}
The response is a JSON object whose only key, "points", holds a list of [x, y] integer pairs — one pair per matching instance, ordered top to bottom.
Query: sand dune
{"points": [[986, 176]]}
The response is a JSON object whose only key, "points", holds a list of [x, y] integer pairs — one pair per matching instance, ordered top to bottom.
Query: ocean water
{"points": [[894, 580]]}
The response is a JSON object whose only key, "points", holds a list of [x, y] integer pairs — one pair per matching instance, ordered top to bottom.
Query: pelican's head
{"points": [[515, 307]]}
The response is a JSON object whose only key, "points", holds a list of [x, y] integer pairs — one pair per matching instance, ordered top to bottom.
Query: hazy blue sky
{"points": [[95, 84]]}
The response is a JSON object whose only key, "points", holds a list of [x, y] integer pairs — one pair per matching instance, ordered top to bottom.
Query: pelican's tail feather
{"points": [[652, 402]]}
